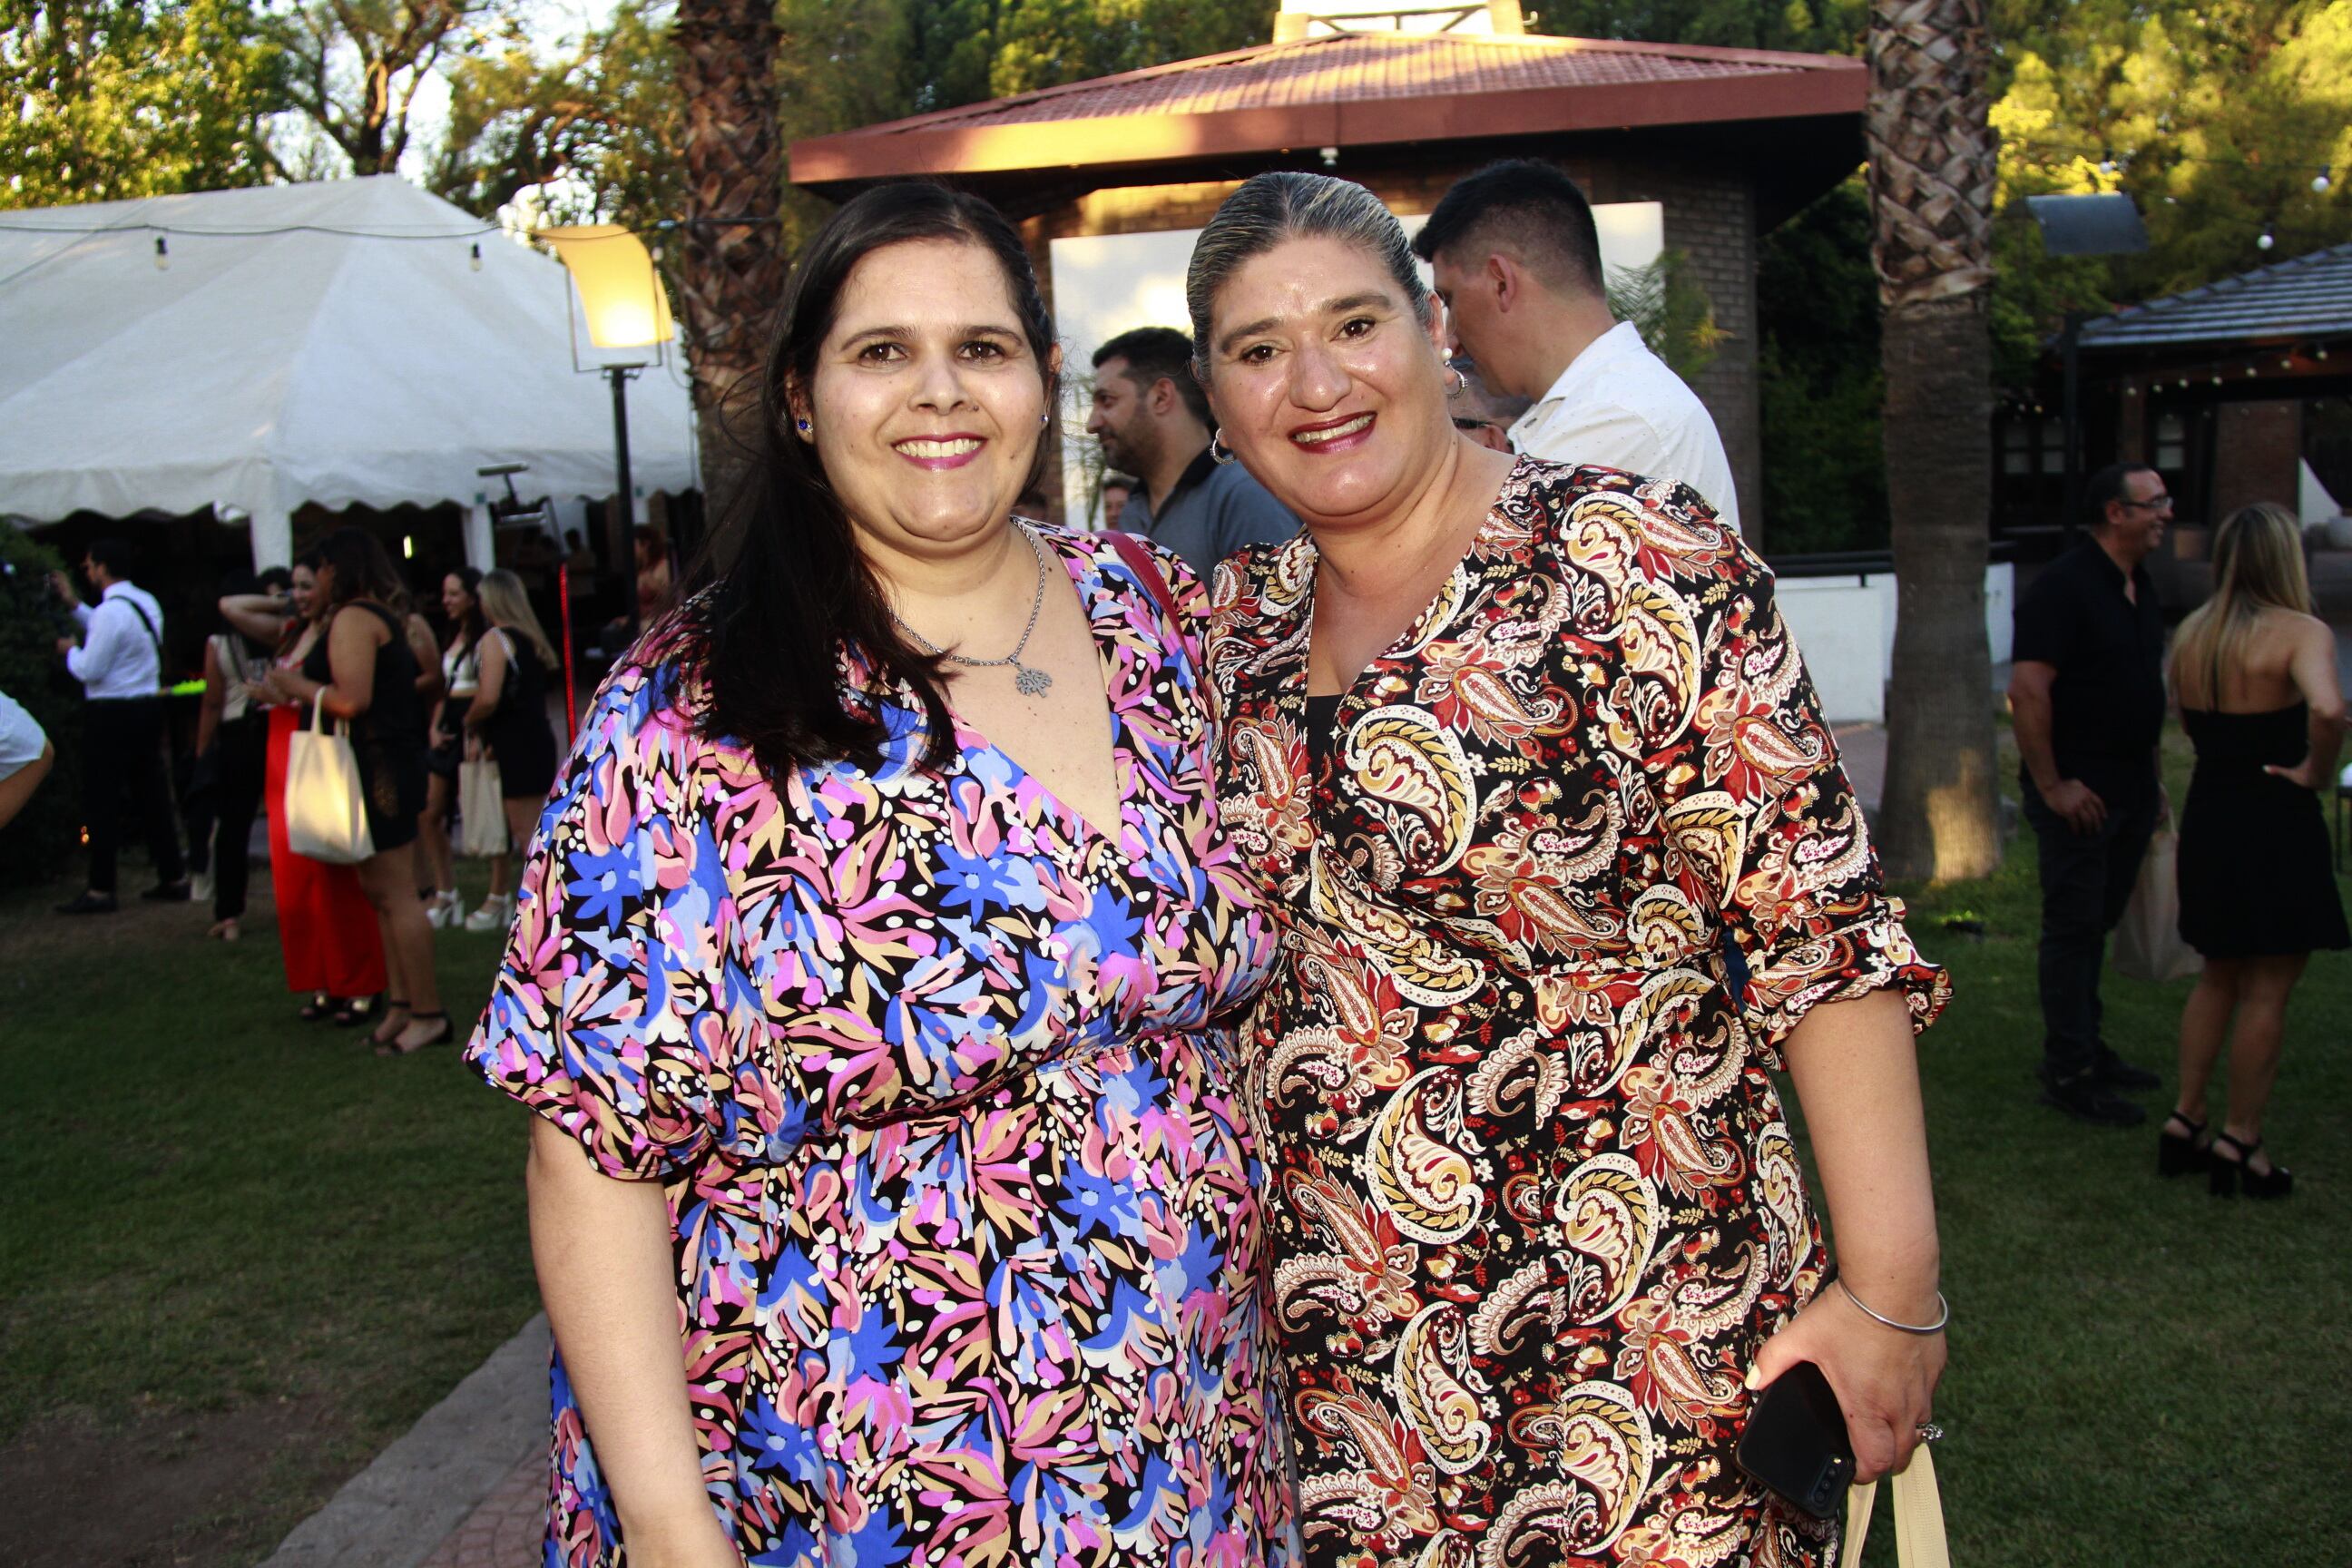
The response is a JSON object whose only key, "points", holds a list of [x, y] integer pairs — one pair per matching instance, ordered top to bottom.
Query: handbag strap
{"points": [[1137, 556], [1919, 1541]]}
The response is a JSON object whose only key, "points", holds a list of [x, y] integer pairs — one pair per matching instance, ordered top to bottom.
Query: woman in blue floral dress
{"points": [[885, 991]]}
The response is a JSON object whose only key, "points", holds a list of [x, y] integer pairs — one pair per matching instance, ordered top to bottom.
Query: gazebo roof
{"points": [[1341, 90], [2305, 297]]}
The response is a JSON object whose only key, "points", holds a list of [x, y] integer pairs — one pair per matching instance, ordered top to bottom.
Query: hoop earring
{"points": [[1459, 384], [1219, 453]]}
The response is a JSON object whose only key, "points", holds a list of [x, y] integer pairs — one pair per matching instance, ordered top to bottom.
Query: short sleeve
{"points": [[2044, 627], [21, 739], [1761, 809], [606, 1017]]}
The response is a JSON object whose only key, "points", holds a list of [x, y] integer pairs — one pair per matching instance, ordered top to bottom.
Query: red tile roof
{"points": [[1345, 90]]}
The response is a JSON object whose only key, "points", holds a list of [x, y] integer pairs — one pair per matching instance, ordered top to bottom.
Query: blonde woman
{"points": [[2253, 672], [508, 719]]}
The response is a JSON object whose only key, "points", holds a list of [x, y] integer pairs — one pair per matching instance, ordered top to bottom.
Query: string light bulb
{"points": [[2107, 163], [2319, 181], [2265, 242], [163, 254], [475, 260]]}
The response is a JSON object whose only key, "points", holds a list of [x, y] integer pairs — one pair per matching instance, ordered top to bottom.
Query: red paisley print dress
{"points": [[1535, 1200]]}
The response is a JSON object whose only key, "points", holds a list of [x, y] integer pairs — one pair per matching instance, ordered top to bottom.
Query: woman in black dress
{"points": [[364, 670], [2255, 673], [509, 716]]}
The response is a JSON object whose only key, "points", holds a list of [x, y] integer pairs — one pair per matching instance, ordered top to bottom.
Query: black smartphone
{"points": [[1796, 1443]]}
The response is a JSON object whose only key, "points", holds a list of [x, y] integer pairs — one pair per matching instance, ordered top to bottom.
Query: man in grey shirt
{"points": [[1153, 422]]}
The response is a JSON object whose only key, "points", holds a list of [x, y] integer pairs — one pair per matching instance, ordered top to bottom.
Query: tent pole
{"points": [[620, 375]]}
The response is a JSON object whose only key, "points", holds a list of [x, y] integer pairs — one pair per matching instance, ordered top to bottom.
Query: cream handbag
{"points": [[481, 810], [326, 815], [1918, 1518]]}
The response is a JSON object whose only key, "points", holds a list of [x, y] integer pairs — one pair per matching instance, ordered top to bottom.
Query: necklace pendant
{"points": [[1030, 681]]}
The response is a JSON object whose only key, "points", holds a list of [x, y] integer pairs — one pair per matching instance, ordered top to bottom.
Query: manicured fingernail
{"points": [[1755, 1378]]}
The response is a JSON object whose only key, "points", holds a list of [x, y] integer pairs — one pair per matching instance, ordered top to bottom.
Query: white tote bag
{"points": [[481, 810], [326, 818], [2148, 944], [1919, 1540]]}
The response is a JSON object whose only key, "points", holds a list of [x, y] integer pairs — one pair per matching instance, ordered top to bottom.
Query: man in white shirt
{"points": [[1516, 258], [119, 659]]}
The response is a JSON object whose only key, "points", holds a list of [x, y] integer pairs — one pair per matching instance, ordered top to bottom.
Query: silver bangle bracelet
{"points": [[1943, 1313]]}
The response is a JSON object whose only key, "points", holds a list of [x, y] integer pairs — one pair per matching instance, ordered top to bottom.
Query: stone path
{"points": [[451, 1489], [508, 1528]]}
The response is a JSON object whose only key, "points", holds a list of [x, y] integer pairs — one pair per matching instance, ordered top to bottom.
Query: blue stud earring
{"points": [[802, 425]]}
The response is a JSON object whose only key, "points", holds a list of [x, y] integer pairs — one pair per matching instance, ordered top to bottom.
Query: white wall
{"points": [[1845, 628]]}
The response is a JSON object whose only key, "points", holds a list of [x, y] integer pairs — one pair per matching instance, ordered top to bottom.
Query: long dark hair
{"points": [[362, 568], [781, 585], [473, 623]]}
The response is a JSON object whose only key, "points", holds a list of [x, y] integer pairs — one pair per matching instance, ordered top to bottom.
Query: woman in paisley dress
{"points": [[1511, 745], [888, 996]]}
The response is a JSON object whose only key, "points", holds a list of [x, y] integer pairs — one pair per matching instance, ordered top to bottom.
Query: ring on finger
{"points": [[1928, 1432]]}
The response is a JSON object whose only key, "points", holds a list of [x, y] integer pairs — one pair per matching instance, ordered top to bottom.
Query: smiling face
{"points": [[1326, 384], [926, 404], [1120, 419], [2135, 523], [304, 591], [455, 600]]}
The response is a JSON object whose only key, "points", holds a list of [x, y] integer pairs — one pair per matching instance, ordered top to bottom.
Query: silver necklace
{"points": [[1027, 680]]}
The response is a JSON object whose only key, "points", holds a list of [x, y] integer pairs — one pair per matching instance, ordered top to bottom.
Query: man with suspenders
{"points": [[119, 659]]}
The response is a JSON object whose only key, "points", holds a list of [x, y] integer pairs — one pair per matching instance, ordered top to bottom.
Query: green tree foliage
{"points": [[1816, 27], [356, 66], [100, 103], [2215, 118], [593, 126], [1821, 389]]}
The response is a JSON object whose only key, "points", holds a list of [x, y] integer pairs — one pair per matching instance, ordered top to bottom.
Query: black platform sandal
{"points": [[318, 1009], [354, 1011], [440, 1037], [2179, 1154], [2232, 1174]]}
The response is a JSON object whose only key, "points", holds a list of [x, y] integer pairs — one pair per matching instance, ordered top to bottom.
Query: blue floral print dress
{"points": [[938, 1083]]}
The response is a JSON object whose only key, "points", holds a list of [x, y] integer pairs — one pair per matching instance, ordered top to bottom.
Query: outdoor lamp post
{"points": [[620, 292]]}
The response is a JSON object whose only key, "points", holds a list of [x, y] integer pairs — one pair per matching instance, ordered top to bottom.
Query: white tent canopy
{"points": [[330, 342]]}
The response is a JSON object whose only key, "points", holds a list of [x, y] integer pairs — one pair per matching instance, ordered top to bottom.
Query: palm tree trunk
{"points": [[1932, 167], [732, 272]]}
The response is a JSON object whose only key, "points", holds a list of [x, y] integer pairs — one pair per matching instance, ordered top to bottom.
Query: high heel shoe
{"points": [[444, 909], [2179, 1155], [2231, 1173]]}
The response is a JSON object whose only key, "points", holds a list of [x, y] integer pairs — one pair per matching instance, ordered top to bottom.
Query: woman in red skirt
{"points": [[326, 927]]}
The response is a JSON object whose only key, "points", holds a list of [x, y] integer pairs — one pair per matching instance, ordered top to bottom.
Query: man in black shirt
{"points": [[2087, 698]]}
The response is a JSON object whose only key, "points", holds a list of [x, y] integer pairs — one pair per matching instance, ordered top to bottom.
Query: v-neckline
{"points": [[1415, 631], [1084, 826]]}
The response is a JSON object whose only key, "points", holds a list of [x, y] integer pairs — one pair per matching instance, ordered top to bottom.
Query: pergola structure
{"points": [[1727, 142], [2227, 389]]}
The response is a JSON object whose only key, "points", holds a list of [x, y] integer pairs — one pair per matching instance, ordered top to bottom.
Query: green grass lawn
{"points": [[208, 1207], [210, 1213]]}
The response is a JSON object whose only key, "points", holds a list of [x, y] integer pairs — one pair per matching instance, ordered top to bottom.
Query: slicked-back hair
{"points": [[1527, 207], [1271, 208], [1153, 354], [2110, 483], [119, 556], [782, 586]]}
